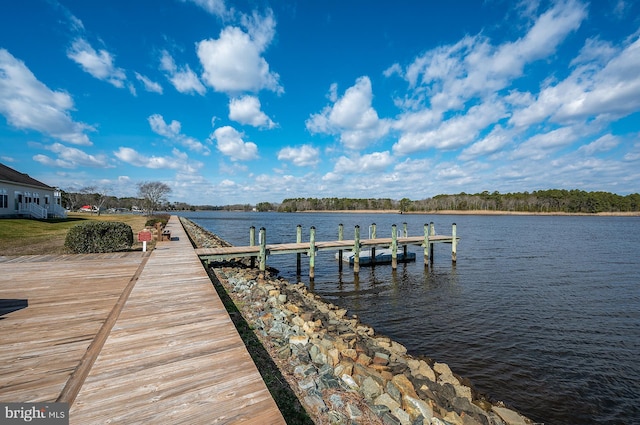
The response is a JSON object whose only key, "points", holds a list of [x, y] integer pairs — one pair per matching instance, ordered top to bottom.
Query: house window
{"points": [[4, 199]]}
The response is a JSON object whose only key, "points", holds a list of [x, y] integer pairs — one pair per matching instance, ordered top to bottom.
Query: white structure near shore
{"points": [[23, 196]]}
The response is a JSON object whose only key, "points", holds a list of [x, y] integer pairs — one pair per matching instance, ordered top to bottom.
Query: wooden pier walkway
{"points": [[310, 248], [132, 339]]}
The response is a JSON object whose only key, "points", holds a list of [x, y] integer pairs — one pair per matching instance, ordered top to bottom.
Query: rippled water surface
{"points": [[541, 312]]}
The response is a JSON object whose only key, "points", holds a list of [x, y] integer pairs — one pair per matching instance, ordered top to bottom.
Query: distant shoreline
{"points": [[478, 212]]}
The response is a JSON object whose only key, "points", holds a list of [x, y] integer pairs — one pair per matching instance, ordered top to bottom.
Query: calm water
{"points": [[542, 313]]}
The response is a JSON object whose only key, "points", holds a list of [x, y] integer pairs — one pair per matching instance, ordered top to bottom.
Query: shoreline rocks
{"points": [[342, 371]]}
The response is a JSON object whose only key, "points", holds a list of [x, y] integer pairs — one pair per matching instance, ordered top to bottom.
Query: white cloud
{"points": [[214, 7], [97, 63], [233, 63], [448, 76], [182, 78], [149, 85], [605, 85], [29, 104], [246, 110], [352, 117], [159, 126], [172, 132], [453, 133], [495, 141], [229, 142], [602, 144], [541, 145], [301, 156], [69, 157], [178, 160], [365, 164]]}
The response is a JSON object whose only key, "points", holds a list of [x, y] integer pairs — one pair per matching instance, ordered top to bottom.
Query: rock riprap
{"points": [[345, 373]]}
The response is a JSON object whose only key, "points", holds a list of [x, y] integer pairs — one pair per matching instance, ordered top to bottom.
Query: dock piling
{"points": [[432, 232], [405, 234], [340, 238], [252, 242], [454, 244], [426, 245], [394, 247], [373, 248], [356, 250], [263, 251], [312, 253], [298, 255]]}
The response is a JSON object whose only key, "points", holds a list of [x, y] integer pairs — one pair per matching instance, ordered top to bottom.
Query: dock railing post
{"points": [[405, 234], [340, 238], [252, 242], [454, 244], [426, 245], [394, 247], [373, 248], [356, 250], [263, 251], [312, 253], [298, 255]]}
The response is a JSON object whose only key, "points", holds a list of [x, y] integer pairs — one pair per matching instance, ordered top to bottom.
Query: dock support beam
{"points": [[340, 238], [252, 242], [454, 244], [394, 247], [263, 251], [356, 251], [312, 253], [298, 255]]}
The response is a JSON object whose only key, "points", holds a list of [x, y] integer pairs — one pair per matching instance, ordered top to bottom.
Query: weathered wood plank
{"points": [[69, 298], [174, 356]]}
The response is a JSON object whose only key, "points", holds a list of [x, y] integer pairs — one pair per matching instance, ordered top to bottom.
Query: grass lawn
{"points": [[27, 237]]}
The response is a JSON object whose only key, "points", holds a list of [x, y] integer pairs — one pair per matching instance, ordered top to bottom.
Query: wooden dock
{"points": [[310, 248], [127, 338]]}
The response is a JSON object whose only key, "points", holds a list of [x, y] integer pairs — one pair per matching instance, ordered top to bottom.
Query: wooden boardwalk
{"points": [[304, 247], [311, 247], [155, 346]]}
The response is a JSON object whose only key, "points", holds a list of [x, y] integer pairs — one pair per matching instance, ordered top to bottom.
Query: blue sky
{"points": [[243, 102]]}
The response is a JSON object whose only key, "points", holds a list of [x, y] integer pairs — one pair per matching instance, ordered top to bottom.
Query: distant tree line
{"points": [[553, 200]]}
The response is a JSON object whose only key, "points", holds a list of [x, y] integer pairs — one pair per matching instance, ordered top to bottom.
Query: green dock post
{"points": [[432, 232], [405, 234], [340, 238], [252, 242], [454, 244], [426, 245], [394, 247], [373, 248], [356, 250], [263, 251], [312, 253], [298, 255]]}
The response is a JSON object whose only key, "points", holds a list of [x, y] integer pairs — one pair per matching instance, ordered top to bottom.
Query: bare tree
{"points": [[153, 194]]}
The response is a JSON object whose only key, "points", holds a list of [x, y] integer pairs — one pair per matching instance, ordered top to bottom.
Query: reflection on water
{"points": [[542, 313]]}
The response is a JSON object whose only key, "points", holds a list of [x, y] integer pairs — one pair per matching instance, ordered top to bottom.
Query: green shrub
{"points": [[160, 218], [99, 236]]}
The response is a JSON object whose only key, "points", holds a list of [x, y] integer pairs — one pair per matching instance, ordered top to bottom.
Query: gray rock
{"points": [[370, 388], [315, 403], [353, 412]]}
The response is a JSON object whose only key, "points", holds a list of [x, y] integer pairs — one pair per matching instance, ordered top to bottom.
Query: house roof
{"points": [[10, 175]]}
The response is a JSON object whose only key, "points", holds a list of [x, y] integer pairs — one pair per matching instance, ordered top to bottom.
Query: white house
{"points": [[22, 195]]}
